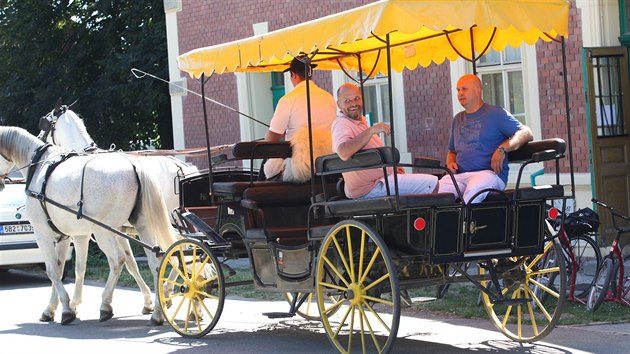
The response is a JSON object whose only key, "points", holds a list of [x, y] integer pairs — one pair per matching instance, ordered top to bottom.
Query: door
{"points": [[608, 103]]}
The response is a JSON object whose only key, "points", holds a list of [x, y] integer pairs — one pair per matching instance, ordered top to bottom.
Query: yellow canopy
{"points": [[420, 32]]}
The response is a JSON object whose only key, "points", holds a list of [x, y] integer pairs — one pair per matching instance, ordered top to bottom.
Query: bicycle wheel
{"points": [[587, 262], [356, 267], [599, 290]]}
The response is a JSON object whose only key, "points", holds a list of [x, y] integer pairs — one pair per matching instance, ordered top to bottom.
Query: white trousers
{"points": [[408, 183], [470, 183]]}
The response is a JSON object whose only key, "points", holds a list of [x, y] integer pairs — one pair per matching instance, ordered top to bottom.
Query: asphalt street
{"points": [[243, 329]]}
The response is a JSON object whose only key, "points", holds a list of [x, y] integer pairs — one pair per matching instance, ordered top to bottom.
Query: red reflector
{"points": [[553, 213], [419, 224]]}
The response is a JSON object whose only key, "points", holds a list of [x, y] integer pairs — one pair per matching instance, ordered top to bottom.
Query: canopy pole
{"points": [[472, 51], [307, 72], [361, 81], [391, 113], [568, 115], [205, 122]]}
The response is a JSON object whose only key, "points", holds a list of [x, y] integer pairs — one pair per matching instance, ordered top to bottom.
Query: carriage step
{"points": [[279, 314]]}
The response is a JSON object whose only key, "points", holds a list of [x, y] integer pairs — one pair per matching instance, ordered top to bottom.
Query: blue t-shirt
{"points": [[475, 137]]}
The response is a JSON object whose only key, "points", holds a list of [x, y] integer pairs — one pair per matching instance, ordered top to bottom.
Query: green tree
{"points": [[84, 50]]}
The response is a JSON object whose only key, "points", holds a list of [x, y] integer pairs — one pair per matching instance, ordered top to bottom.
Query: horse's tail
{"points": [[154, 208]]}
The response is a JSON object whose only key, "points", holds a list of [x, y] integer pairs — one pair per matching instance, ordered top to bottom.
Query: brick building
{"points": [[527, 80]]}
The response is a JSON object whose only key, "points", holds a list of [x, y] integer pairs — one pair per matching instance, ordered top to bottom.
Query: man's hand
{"points": [[381, 128], [451, 161], [496, 162]]}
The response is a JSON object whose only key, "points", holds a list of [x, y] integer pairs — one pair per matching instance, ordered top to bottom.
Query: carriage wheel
{"points": [[355, 267], [191, 288], [308, 310], [525, 315]]}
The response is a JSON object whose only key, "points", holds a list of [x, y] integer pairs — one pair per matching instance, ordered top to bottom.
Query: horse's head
{"points": [[65, 128], [6, 165]]}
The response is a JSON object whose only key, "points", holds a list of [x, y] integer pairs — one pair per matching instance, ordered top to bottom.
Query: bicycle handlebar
{"points": [[614, 214]]}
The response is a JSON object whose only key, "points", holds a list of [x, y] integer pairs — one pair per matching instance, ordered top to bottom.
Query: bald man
{"points": [[350, 133], [481, 136]]}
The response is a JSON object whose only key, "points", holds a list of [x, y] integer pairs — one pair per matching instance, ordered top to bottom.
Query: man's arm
{"points": [[523, 135], [271, 136], [348, 148], [451, 161]]}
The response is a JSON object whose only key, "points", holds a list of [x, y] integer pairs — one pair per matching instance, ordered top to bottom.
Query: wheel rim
{"points": [[587, 259], [355, 267], [600, 288], [191, 296], [536, 307], [308, 309]]}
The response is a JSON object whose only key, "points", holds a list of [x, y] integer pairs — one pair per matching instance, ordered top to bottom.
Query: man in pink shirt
{"points": [[350, 133]]}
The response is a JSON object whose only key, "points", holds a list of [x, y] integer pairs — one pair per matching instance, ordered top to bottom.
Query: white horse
{"points": [[65, 128], [110, 188]]}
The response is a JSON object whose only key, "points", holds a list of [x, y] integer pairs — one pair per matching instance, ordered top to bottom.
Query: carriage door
{"points": [[609, 107]]}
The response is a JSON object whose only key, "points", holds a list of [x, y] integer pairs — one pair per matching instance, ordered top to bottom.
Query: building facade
{"points": [[527, 81]]}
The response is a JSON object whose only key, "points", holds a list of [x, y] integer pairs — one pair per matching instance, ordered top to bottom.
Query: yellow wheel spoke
{"points": [[377, 252], [350, 254], [342, 257], [334, 269], [545, 271], [377, 281], [545, 288], [379, 300], [539, 304], [205, 308], [531, 312], [378, 317], [343, 320], [367, 322]]}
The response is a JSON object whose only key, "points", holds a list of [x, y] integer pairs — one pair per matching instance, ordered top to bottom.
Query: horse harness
{"points": [[48, 123]]}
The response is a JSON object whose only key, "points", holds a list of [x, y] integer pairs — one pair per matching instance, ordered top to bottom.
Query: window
{"points": [[501, 74], [277, 87], [608, 95], [376, 101]]}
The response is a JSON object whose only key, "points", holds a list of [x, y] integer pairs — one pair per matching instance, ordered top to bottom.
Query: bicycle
{"points": [[579, 250], [612, 263]]}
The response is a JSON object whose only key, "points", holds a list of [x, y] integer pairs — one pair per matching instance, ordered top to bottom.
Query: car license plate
{"points": [[16, 229]]}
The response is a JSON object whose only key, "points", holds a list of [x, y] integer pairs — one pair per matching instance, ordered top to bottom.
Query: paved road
{"points": [[243, 329]]}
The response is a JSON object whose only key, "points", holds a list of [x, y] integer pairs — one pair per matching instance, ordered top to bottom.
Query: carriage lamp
{"points": [[553, 213], [419, 224]]}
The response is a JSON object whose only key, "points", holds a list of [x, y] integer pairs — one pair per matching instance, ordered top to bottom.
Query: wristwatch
{"points": [[502, 150]]}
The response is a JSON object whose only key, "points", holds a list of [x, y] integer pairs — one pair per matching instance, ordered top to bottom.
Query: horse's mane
{"points": [[79, 124], [21, 140]]}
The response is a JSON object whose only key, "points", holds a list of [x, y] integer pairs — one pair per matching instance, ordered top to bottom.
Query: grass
{"points": [[460, 301]]}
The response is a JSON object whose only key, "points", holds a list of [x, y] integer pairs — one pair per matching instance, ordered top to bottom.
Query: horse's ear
{"points": [[58, 104]]}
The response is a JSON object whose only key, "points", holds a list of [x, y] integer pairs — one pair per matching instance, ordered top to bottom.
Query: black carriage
{"points": [[358, 259]]}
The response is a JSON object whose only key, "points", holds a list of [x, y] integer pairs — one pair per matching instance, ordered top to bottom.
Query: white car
{"points": [[18, 247]]}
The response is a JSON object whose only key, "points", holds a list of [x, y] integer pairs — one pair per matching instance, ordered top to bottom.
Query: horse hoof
{"points": [[147, 310], [106, 315], [47, 318], [67, 318], [153, 322]]}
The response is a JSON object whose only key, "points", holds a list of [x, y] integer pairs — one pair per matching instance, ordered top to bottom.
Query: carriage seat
{"points": [[253, 150], [531, 152], [381, 157], [279, 212]]}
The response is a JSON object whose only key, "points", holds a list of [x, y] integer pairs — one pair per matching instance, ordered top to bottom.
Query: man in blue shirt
{"points": [[481, 136]]}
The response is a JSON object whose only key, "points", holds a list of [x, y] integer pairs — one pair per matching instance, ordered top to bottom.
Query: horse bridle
{"points": [[47, 124]]}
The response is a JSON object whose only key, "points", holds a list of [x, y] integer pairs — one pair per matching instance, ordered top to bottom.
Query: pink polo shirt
{"points": [[357, 183]]}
